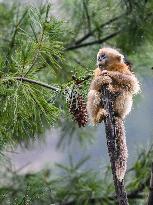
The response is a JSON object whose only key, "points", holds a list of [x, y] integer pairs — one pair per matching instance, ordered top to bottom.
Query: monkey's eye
{"points": [[101, 57]]}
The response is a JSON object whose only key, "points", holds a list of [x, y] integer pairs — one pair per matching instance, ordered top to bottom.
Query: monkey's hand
{"points": [[104, 72], [99, 81]]}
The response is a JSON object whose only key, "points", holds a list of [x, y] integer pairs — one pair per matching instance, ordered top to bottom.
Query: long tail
{"points": [[122, 152]]}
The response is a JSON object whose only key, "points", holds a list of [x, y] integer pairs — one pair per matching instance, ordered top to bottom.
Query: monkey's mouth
{"points": [[101, 67]]}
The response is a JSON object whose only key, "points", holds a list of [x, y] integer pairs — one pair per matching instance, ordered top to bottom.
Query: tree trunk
{"points": [[111, 136]]}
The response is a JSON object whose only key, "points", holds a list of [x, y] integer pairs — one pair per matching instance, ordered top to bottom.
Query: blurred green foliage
{"points": [[75, 185]]}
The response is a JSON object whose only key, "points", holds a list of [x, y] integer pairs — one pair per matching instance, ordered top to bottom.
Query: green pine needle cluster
{"points": [[31, 48]]}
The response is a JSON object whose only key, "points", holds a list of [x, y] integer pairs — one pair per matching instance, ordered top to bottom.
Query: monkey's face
{"points": [[107, 56], [102, 59]]}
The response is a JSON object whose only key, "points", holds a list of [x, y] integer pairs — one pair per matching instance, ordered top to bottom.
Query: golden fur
{"points": [[112, 71]]}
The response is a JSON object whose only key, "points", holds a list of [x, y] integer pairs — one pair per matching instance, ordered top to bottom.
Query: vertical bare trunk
{"points": [[111, 136]]}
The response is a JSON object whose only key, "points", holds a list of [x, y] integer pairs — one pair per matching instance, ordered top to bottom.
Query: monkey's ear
{"points": [[118, 58], [128, 63]]}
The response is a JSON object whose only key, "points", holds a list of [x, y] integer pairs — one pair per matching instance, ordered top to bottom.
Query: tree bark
{"points": [[111, 137]]}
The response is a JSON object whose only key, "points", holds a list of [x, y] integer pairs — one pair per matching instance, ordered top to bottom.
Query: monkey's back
{"points": [[123, 104]]}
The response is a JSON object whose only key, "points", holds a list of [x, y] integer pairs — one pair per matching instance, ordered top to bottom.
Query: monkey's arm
{"points": [[129, 81]]}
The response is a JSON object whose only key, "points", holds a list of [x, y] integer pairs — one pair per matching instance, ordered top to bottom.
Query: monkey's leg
{"points": [[93, 104], [123, 105], [95, 111], [101, 114]]}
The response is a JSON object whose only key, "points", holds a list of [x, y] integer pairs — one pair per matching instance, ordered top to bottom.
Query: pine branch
{"points": [[85, 5], [89, 34], [40, 41], [12, 42], [93, 42], [33, 62], [80, 81], [45, 85], [150, 197]]}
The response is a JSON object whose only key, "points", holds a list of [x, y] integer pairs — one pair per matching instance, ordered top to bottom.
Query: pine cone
{"points": [[77, 107]]}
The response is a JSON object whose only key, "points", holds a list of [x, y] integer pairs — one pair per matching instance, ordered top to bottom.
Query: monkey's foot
{"points": [[100, 116]]}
